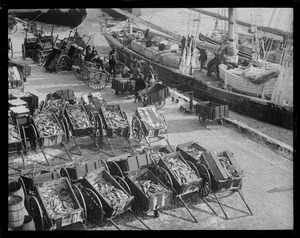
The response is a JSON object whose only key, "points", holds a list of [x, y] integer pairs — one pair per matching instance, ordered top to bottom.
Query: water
{"points": [[185, 21]]}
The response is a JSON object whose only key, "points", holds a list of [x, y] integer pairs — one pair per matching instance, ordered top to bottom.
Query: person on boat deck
{"points": [[183, 40], [188, 40], [202, 58], [112, 62], [214, 62], [148, 69], [140, 84]]}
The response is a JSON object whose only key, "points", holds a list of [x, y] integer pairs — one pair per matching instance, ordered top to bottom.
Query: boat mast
{"points": [[231, 55]]}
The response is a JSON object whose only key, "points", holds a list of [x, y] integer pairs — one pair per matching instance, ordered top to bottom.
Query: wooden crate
{"points": [[120, 84], [213, 110], [185, 154], [155, 201], [67, 218]]}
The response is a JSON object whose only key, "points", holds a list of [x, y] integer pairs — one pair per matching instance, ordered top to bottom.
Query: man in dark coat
{"points": [[183, 40], [202, 58], [112, 62], [214, 62], [148, 69], [139, 85]]}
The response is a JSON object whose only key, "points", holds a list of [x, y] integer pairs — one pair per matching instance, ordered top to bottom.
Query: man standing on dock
{"points": [[183, 40], [202, 58], [112, 62], [148, 69]]}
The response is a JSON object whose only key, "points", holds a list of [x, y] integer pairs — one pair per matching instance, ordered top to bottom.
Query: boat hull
{"points": [[63, 17], [257, 108]]}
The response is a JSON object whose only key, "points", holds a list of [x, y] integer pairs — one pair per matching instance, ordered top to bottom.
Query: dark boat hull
{"points": [[63, 17], [253, 107]]}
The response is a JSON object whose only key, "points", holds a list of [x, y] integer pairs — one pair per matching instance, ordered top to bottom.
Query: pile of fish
{"points": [[53, 105], [77, 116], [115, 120], [46, 125], [13, 135], [193, 152], [156, 155], [229, 168], [181, 171], [150, 187], [107, 190], [56, 198]]}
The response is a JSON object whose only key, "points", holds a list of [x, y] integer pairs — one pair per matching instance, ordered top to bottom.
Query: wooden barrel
{"points": [[15, 188], [15, 211], [28, 224]]}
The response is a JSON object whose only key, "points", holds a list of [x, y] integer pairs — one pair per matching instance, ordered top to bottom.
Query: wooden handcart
{"points": [[15, 78], [123, 86], [156, 95], [211, 111], [112, 122], [148, 123], [86, 130], [59, 132], [15, 144], [133, 168], [222, 172], [180, 185], [40, 203], [99, 207]]}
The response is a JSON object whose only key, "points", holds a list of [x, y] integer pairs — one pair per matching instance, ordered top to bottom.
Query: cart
{"points": [[43, 49], [79, 66], [15, 78], [96, 79], [123, 86], [155, 95], [31, 99], [207, 110], [78, 123], [113, 123], [148, 123], [49, 131], [15, 144], [213, 166], [133, 168], [182, 186], [50, 196], [98, 205]]}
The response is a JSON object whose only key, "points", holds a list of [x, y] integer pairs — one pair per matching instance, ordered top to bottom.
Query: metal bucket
{"points": [[15, 188], [15, 211], [28, 224]]}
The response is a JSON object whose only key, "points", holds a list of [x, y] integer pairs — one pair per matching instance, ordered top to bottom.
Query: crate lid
{"points": [[16, 102]]}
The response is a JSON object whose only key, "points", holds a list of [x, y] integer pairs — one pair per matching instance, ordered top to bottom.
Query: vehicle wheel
{"points": [[23, 52], [38, 57], [63, 63], [77, 72], [85, 74], [98, 81], [160, 102], [203, 118], [220, 121], [94, 123], [137, 130], [100, 133], [104, 164], [193, 167], [114, 169], [64, 173], [164, 176], [123, 184], [206, 184], [80, 199], [94, 206], [36, 213]]}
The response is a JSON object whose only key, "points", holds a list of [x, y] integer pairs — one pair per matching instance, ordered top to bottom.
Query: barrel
{"points": [[15, 188], [15, 211], [28, 224]]}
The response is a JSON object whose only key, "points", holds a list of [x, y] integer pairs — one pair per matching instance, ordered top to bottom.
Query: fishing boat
{"points": [[167, 61]]}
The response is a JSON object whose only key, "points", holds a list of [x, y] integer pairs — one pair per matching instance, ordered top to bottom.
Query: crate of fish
{"points": [[31, 99], [93, 102], [51, 104], [19, 111], [78, 120], [115, 121], [148, 123], [49, 129], [14, 139], [156, 152], [192, 153], [184, 177], [151, 193], [59, 204]]}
